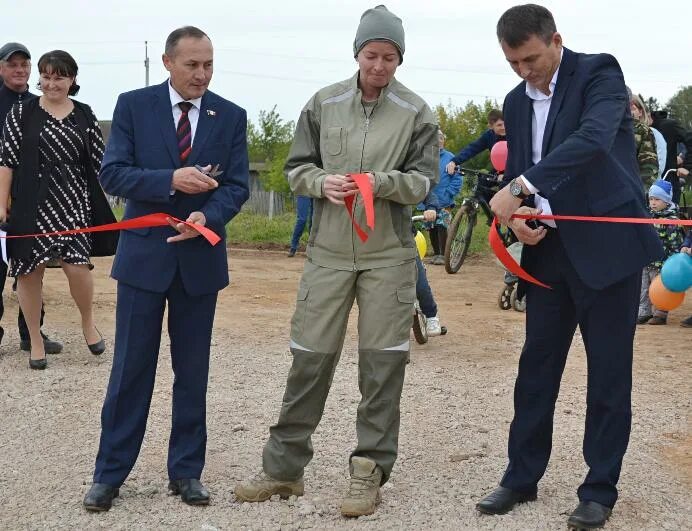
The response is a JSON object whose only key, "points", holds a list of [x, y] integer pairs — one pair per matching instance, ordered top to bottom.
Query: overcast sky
{"points": [[281, 52]]}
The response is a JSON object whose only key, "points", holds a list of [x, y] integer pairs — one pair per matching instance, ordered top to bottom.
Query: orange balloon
{"points": [[662, 297]]}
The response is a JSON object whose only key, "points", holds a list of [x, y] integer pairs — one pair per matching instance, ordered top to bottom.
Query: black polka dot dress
{"points": [[67, 204]]}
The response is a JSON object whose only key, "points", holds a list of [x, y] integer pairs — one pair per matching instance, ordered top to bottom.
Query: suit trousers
{"points": [[385, 299], [139, 318], [607, 321]]}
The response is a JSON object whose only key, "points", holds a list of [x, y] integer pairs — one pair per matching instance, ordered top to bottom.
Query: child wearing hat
{"points": [[661, 206]]}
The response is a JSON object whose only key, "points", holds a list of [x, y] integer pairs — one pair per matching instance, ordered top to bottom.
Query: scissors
{"points": [[213, 173]]}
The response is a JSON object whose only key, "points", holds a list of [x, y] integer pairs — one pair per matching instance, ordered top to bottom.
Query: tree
{"points": [[652, 104], [680, 106], [463, 125], [269, 142], [273, 177]]}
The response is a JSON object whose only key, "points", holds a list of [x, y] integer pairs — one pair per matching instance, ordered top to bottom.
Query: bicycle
{"points": [[461, 228]]}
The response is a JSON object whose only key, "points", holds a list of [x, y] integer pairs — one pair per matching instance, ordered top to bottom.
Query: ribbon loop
{"points": [[362, 180]]}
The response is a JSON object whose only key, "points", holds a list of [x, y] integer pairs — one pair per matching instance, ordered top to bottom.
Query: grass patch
{"points": [[248, 228], [479, 239]]}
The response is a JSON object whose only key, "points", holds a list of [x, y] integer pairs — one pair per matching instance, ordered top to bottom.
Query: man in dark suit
{"points": [[159, 134], [571, 149]]}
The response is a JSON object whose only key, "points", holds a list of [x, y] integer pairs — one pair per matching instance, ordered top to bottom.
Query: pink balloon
{"points": [[498, 155]]}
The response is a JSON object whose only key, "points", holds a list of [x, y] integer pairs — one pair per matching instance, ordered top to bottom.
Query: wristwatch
{"points": [[516, 189]]}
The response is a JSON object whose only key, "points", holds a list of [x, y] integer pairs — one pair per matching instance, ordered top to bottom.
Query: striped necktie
{"points": [[184, 132]]}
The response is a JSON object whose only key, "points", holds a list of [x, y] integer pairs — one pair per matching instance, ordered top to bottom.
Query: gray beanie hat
{"points": [[379, 24]]}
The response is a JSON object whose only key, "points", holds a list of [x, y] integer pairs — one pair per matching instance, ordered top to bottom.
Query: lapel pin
{"points": [[211, 113]]}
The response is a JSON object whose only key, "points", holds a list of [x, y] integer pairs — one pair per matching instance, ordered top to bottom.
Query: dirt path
{"points": [[456, 411]]}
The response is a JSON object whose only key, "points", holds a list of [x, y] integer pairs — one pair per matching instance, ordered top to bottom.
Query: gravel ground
{"points": [[456, 410]]}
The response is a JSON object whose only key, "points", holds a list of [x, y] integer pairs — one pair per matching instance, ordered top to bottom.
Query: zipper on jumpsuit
{"points": [[366, 126]]}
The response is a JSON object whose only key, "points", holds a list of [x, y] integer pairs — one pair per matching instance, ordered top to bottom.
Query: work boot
{"points": [[656, 320], [262, 486], [364, 490]]}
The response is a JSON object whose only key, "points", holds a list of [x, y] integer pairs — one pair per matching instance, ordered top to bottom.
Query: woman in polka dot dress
{"points": [[66, 156]]}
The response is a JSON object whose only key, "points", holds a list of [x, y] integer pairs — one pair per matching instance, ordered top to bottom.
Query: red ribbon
{"points": [[362, 180], [150, 220], [512, 266]]}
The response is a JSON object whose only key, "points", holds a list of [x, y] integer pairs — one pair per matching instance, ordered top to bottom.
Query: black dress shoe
{"points": [[49, 345], [99, 347], [38, 364], [191, 491], [100, 497], [502, 500], [588, 515]]}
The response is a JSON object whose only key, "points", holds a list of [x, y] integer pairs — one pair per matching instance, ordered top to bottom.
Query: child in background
{"points": [[445, 191], [662, 207]]}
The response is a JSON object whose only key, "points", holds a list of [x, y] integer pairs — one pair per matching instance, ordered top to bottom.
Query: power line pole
{"points": [[146, 64]]}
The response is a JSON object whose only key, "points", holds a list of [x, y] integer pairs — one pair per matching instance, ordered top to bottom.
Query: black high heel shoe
{"points": [[99, 347], [38, 364]]}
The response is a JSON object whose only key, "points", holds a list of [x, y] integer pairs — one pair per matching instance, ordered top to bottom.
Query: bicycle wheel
{"points": [[459, 238], [504, 300], [420, 330]]}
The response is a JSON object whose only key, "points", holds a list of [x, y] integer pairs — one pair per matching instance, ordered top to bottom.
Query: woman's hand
{"points": [[336, 187]]}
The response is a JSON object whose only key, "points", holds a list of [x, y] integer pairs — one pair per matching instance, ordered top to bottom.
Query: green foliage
{"points": [[651, 103], [680, 106], [463, 125], [269, 141], [273, 177]]}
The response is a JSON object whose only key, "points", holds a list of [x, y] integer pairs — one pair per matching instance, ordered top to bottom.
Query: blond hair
{"points": [[639, 103]]}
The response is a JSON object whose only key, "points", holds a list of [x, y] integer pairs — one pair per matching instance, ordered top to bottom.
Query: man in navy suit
{"points": [[159, 134], [571, 151]]}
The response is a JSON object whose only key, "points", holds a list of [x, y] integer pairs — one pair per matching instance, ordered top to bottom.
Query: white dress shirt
{"points": [[541, 107], [193, 113]]}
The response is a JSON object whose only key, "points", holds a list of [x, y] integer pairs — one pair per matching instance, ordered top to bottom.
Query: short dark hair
{"points": [[519, 23], [181, 33], [61, 63], [494, 116]]}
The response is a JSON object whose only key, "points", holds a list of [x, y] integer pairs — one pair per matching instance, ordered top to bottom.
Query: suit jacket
{"points": [[138, 164], [588, 167]]}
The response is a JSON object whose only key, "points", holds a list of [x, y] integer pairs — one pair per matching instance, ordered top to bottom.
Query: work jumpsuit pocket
{"points": [[336, 142], [406, 294], [300, 313]]}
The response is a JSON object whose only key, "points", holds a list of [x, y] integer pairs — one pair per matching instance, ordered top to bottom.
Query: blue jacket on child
{"points": [[448, 187]]}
